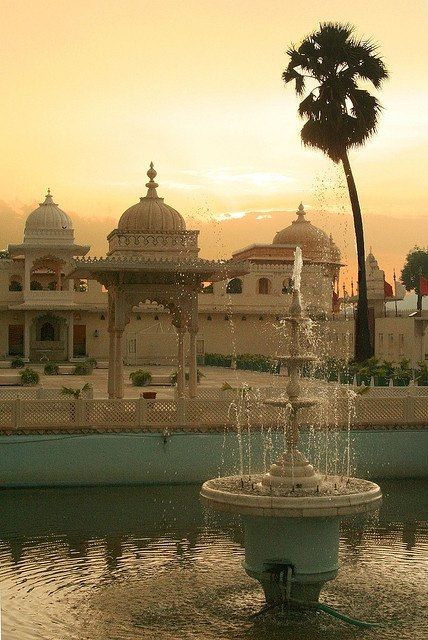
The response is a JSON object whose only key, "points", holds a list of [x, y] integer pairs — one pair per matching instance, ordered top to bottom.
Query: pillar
{"points": [[27, 274], [26, 338], [70, 338], [111, 363], [193, 366], [181, 376], [118, 377]]}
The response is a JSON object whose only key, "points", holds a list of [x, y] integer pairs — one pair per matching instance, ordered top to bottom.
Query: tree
{"points": [[339, 116], [416, 265]]}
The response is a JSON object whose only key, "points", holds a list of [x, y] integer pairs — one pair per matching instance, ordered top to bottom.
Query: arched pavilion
{"points": [[153, 257]]}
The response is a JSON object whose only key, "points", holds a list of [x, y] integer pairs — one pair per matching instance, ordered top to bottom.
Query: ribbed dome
{"points": [[151, 214], [48, 217], [314, 242]]}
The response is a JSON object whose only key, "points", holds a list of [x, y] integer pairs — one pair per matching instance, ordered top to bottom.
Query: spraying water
{"points": [[297, 268]]}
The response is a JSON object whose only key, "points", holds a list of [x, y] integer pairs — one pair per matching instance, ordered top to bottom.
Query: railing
{"points": [[203, 415]]}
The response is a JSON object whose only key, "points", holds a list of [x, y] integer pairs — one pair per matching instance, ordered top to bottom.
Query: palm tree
{"points": [[340, 115]]}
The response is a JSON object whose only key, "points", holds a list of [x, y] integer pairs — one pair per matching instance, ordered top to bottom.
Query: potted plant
{"points": [[17, 363], [51, 369], [82, 369], [384, 373], [402, 374], [422, 374], [29, 377], [140, 378], [76, 393], [149, 395]]}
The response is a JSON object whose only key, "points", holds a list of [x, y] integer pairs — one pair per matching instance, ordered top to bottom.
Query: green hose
{"points": [[345, 618]]}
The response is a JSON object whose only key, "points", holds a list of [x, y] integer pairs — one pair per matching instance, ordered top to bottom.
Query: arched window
{"points": [[15, 285], [35, 285], [265, 285], [234, 286], [287, 286], [47, 332]]}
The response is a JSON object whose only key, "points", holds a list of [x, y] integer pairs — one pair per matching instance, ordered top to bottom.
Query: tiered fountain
{"points": [[292, 513]]}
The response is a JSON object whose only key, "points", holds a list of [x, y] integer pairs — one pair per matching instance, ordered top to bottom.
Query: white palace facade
{"points": [[44, 315]]}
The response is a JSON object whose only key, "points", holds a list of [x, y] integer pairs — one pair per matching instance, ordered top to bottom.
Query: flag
{"points": [[423, 286], [387, 290], [335, 302]]}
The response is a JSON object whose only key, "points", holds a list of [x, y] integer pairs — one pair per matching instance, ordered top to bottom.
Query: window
{"points": [[15, 285], [35, 285], [234, 286], [264, 286], [287, 286], [47, 332]]}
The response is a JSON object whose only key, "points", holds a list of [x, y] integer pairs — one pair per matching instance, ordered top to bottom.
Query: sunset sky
{"points": [[92, 91]]}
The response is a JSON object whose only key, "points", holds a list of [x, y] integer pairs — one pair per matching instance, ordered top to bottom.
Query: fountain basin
{"points": [[291, 537]]}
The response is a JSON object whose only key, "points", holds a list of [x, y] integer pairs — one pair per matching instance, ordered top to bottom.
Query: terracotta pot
{"points": [[149, 395]]}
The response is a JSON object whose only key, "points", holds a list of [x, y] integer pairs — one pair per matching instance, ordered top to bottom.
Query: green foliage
{"points": [[339, 115], [416, 265], [217, 360], [92, 362], [255, 362], [17, 363], [51, 369], [82, 369], [421, 373], [174, 376], [29, 377], [140, 378], [76, 393]]}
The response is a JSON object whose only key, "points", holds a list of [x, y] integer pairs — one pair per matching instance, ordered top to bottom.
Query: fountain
{"points": [[292, 514]]}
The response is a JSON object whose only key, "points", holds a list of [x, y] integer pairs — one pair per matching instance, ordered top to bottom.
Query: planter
{"points": [[149, 395]]}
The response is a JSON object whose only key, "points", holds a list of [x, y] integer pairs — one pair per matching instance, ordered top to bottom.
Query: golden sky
{"points": [[94, 90]]}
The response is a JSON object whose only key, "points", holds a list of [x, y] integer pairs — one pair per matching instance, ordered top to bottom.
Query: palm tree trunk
{"points": [[363, 343]]}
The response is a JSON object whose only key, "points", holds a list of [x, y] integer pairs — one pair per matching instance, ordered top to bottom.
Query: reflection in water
{"points": [[133, 563]]}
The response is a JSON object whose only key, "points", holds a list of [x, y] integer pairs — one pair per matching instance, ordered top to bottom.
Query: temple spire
{"points": [[301, 213]]}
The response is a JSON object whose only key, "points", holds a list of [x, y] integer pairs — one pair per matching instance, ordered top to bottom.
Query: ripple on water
{"points": [[182, 578]]}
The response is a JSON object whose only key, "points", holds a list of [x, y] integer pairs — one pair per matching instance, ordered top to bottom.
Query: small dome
{"points": [[151, 214], [48, 217], [314, 242]]}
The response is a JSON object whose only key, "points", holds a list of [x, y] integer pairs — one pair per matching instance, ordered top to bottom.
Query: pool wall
{"points": [[149, 458]]}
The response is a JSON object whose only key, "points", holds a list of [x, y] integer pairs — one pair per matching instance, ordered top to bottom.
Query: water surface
{"points": [[131, 563]]}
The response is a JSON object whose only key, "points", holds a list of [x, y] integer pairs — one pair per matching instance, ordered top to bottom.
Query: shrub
{"points": [[217, 360], [92, 362], [17, 363], [51, 369], [82, 369], [174, 376], [29, 377], [140, 378], [76, 393]]}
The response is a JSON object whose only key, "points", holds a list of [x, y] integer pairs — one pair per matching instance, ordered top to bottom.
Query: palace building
{"points": [[45, 315]]}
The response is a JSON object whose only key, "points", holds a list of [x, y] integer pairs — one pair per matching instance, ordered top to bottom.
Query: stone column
{"points": [[27, 273], [26, 337], [70, 338], [111, 363], [118, 364], [193, 366], [181, 376]]}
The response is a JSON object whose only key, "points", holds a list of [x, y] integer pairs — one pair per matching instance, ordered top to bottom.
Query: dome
{"points": [[151, 214], [48, 217], [314, 242]]}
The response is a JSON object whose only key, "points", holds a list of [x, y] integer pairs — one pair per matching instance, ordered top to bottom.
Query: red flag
{"points": [[423, 286], [387, 290]]}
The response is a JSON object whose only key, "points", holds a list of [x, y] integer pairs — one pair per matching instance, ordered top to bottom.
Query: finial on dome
{"points": [[151, 185], [48, 198], [301, 213]]}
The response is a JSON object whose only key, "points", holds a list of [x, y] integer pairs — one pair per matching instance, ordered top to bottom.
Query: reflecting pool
{"points": [[127, 563]]}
